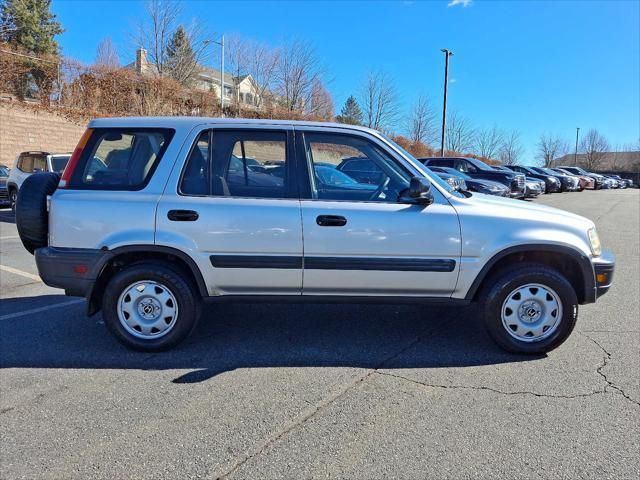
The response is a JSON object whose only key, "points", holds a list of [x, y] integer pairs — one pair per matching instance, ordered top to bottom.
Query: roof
{"points": [[194, 121]]}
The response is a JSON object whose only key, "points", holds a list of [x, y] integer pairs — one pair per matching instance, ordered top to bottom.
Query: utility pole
{"points": [[447, 54], [575, 155]]}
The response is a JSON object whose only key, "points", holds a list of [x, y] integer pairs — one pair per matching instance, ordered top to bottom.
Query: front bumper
{"points": [[603, 267], [73, 269]]}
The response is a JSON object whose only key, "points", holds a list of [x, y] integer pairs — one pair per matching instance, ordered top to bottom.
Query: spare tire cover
{"points": [[32, 218]]}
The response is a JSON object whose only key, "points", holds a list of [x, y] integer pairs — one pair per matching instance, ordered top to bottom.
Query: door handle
{"points": [[182, 215], [331, 221]]}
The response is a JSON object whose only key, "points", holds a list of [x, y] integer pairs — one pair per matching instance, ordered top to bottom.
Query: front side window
{"points": [[120, 159], [246, 163], [465, 166], [347, 167]]}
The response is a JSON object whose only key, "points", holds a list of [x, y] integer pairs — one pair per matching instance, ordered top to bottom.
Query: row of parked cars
{"points": [[517, 181]]}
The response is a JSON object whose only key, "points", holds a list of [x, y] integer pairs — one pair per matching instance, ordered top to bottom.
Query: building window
{"points": [[228, 91], [248, 98]]}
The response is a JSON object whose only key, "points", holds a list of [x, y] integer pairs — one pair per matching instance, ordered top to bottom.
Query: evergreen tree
{"points": [[29, 24], [181, 62], [350, 113]]}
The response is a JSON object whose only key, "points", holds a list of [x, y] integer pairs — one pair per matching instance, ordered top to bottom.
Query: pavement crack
{"points": [[600, 370], [490, 389], [314, 409]]}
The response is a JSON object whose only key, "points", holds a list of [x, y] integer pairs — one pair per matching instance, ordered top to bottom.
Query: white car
{"points": [[28, 163], [154, 218]]}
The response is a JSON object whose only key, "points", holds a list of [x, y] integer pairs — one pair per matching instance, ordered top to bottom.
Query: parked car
{"points": [[28, 163], [361, 169], [478, 169], [454, 180], [582, 180], [599, 180], [624, 182], [552, 183], [568, 183], [532, 186], [487, 187], [4, 191], [150, 239]]}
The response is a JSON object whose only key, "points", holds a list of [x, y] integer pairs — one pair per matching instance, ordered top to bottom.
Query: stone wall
{"points": [[23, 129]]}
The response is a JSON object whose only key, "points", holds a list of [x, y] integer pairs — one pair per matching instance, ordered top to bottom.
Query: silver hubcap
{"points": [[147, 309], [532, 312]]}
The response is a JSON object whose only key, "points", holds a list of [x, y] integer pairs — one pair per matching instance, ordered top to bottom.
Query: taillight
{"points": [[73, 161]]}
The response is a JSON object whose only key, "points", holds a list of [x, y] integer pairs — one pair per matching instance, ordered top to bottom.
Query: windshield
{"points": [[59, 162], [434, 178]]}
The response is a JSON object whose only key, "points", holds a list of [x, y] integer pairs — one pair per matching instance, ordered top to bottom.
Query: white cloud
{"points": [[464, 3]]}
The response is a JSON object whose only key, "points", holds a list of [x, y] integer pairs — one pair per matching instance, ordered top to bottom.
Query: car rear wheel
{"points": [[150, 307], [529, 308]]}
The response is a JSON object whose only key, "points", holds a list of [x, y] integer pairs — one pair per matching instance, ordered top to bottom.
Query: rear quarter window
{"points": [[120, 159]]}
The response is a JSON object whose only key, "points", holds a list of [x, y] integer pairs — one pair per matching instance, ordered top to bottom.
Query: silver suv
{"points": [[154, 218]]}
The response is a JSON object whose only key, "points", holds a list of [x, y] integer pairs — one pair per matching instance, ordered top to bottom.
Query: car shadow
{"points": [[235, 336]]}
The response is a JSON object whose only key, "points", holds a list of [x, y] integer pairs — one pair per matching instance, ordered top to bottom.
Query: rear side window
{"points": [[120, 159], [249, 164]]}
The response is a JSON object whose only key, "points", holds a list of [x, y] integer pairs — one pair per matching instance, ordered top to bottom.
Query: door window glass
{"points": [[250, 164], [347, 167]]}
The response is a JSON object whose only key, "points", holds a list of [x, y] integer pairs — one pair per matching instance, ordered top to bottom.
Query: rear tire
{"points": [[13, 198], [150, 307], [529, 308]]}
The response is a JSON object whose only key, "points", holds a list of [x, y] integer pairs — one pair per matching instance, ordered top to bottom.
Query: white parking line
{"points": [[9, 237], [21, 273], [41, 309]]}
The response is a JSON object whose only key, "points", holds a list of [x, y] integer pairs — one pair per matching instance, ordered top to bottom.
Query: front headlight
{"points": [[594, 242]]}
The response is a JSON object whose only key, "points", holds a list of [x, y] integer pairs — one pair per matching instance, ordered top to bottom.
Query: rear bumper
{"points": [[72, 269]]}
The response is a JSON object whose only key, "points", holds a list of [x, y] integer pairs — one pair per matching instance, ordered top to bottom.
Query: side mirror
{"points": [[419, 192]]}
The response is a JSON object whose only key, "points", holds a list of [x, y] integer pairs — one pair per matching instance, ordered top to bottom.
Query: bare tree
{"points": [[156, 31], [107, 55], [262, 63], [297, 71], [379, 101], [321, 104], [421, 122], [460, 133], [488, 141], [551, 147], [594, 147], [511, 149]]}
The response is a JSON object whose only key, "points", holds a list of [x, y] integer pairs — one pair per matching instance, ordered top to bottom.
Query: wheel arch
{"points": [[121, 257], [572, 263]]}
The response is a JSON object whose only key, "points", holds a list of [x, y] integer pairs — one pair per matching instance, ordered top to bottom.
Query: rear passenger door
{"points": [[234, 207]]}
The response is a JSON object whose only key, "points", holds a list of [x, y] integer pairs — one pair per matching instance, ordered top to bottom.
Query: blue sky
{"points": [[531, 66]]}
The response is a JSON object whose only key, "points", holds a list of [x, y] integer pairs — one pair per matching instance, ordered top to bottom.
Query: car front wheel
{"points": [[150, 307], [529, 308]]}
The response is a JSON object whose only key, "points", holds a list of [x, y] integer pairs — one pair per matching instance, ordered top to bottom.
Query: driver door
{"points": [[358, 240]]}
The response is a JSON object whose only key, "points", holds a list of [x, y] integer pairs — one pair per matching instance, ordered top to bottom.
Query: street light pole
{"points": [[221, 43], [447, 54], [575, 155]]}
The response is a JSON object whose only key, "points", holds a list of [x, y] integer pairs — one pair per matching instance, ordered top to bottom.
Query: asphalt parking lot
{"points": [[307, 391]]}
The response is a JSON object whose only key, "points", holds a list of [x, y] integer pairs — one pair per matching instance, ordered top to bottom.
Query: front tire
{"points": [[150, 307], [529, 308]]}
